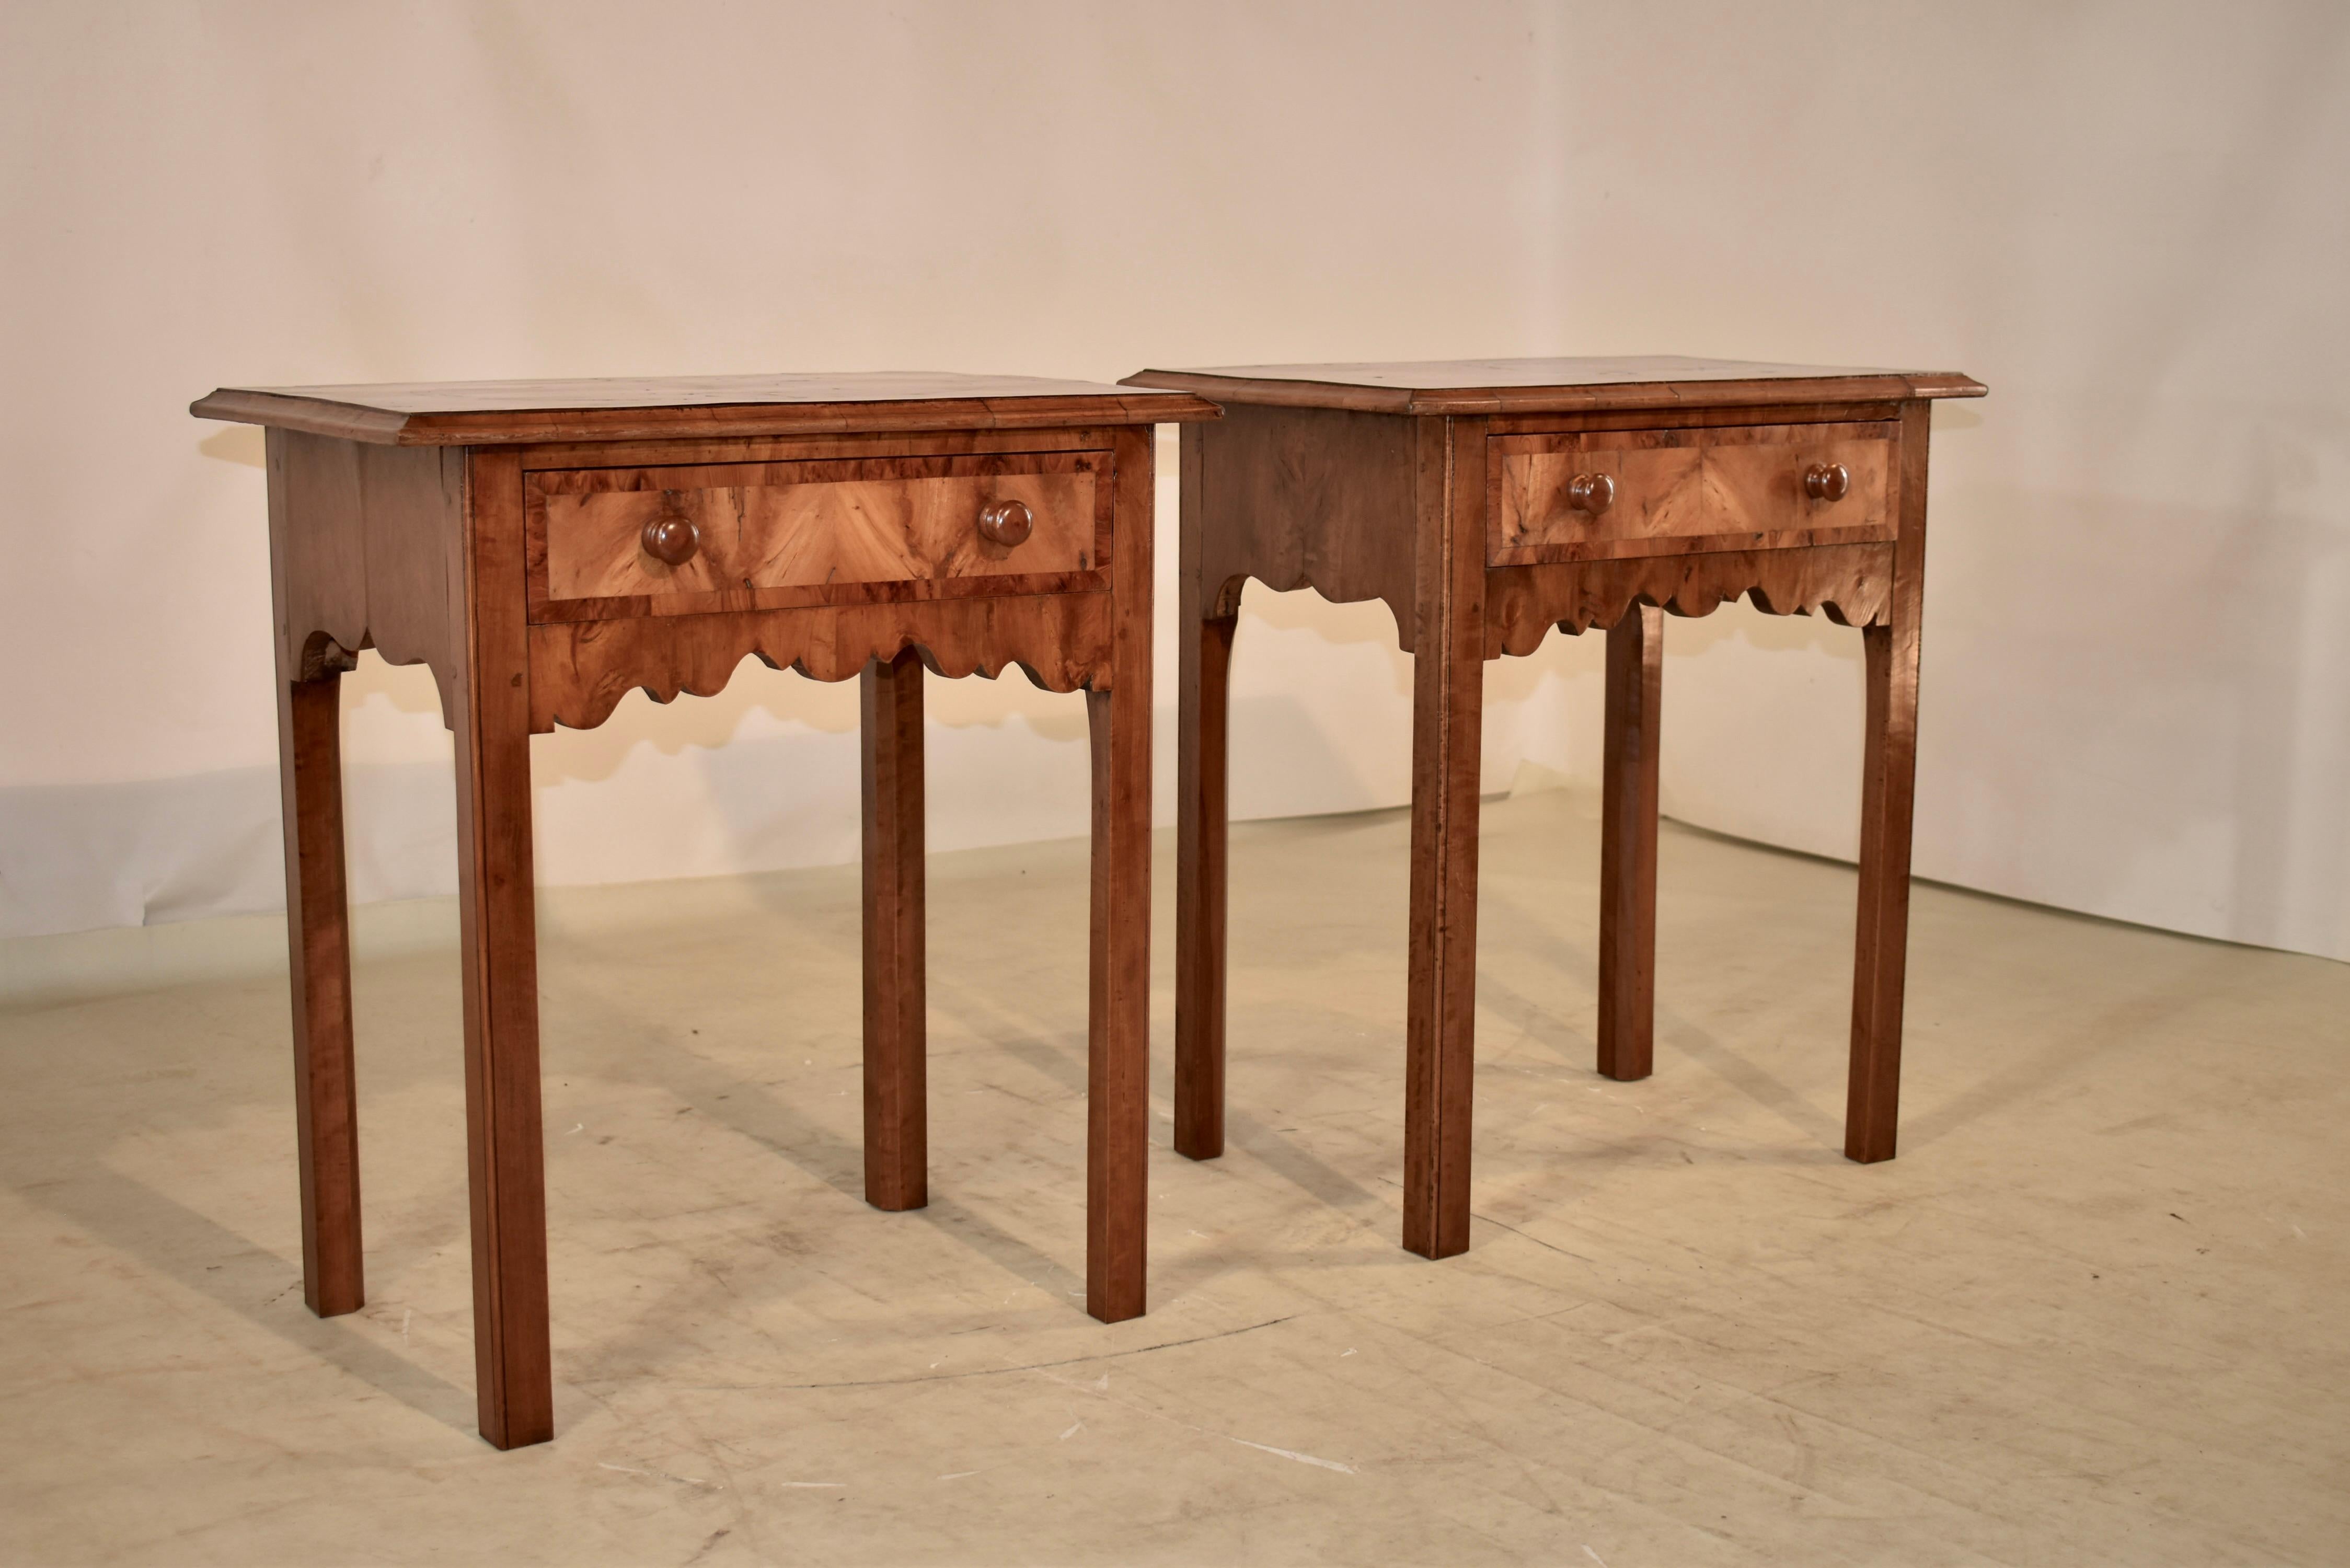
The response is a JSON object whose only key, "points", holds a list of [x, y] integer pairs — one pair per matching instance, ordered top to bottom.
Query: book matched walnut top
{"points": [[1553, 386], [497, 413]]}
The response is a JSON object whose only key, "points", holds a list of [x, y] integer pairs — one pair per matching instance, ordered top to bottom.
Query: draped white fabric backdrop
{"points": [[2129, 219]]}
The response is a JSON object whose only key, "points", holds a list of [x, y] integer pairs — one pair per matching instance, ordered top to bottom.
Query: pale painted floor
{"points": [[2094, 1313]]}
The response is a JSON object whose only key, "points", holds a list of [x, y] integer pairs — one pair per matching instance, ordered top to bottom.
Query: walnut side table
{"points": [[1485, 502], [545, 547]]}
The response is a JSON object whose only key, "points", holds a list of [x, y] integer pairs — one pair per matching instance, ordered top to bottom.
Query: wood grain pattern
{"points": [[1547, 386], [494, 413], [1703, 417], [545, 456], [1725, 488], [1309, 498], [818, 527], [371, 552], [1851, 585], [580, 670], [1447, 716], [1888, 777], [1202, 816], [1628, 845], [1118, 1052], [896, 1135], [504, 1141]]}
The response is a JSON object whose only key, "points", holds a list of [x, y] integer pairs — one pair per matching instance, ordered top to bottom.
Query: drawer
{"points": [[1672, 491], [678, 540]]}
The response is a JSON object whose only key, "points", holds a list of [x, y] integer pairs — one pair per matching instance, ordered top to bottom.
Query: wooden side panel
{"points": [[1737, 487], [1310, 498], [415, 524], [815, 527], [319, 552], [368, 557], [1448, 700], [1888, 781], [1628, 845], [1118, 1060], [897, 1129], [504, 1141]]}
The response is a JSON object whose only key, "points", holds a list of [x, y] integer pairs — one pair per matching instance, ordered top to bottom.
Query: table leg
{"points": [[1887, 784], [1201, 826], [1627, 846], [318, 942], [1441, 1022], [1118, 1072], [505, 1145], [896, 1146]]}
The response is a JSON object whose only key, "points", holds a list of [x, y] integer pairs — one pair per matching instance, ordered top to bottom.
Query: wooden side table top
{"points": [[1553, 385], [505, 413]]}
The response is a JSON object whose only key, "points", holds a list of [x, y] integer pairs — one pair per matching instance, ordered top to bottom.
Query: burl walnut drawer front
{"points": [[1602, 494], [681, 540]]}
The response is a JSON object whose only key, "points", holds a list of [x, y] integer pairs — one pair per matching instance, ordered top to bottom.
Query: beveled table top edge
{"points": [[1552, 385], [481, 413]]}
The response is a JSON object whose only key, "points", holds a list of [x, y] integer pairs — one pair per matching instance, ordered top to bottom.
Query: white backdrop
{"points": [[2130, 220]]}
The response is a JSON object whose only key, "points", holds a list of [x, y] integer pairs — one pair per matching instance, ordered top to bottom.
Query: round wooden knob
{"points": [[1828, 482], [1591, 492], [1006, 522], [671, 538]]}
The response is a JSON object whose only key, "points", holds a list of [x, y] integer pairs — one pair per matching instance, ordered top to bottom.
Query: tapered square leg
{"points": [[1447, 728], [1888, 793], [1201, 818], [1627, 846], [496, 908], [317, 931], [1440, 1012], [1118, 1050], [1117, 1075], [1872, 1105], [505, 1140], [897, 1144]]}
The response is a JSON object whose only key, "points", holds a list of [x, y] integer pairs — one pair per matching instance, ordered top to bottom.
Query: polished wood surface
{"points": [[1551, 386], [486, 413], [1722, 488], [1449, 492], [1310, 498], [820, 526], [440, 556], [1847, 584], [1204, 626], [580, 670], [1448, 726], [1888, 780], [1627, 844], [496, 912], [897, 991], [1117, 1052], [326, 1101]]}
